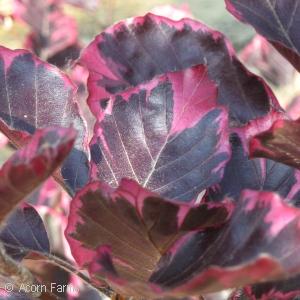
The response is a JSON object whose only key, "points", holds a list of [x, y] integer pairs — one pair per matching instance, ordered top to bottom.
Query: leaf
{"points": [[276, 20], [53, 31], [139, 49], [63, 58], [265, 59], [36, 95], [167, 135], [279, 143], [32, 165], [257, 174], [138, 224], [24, 232], [247, 248], [283, 289]]}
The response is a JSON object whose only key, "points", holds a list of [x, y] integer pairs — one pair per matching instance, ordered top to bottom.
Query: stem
{"points": [[71, 269], [17, 273]]}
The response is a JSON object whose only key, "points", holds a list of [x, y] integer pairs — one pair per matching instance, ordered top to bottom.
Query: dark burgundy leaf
{"points": [[276, 20], [53, 31], [139, 49], [290, 55], [63, 57], [35, 95], [167, 134], [280, 143], [32, 165], [257, 174], [138, 224], [24, 232], [247, 248], [284, 289]]}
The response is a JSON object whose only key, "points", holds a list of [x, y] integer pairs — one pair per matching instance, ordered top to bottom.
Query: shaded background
{"points": [[213, 13]]}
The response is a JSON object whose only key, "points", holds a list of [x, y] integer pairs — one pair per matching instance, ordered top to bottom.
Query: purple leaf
{"points": [[276, 20], [53, 31], [139, 49], [63, 58], [265, 59], [35, 95], [168, 135], [280, 143], [32, 165], [257, 174], [138, 224], [24, 232], [247, 248], [284, 289]]}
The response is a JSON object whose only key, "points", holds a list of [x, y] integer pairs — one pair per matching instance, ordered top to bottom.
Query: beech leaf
{"points": [[276, 20], [53, 31], [139, 49], [265, 59], [36, 95], [167, 134], [279, 143], [32, 165], [257, 174], [138, 224], [24, 232], [246, 249], [283, 289]]}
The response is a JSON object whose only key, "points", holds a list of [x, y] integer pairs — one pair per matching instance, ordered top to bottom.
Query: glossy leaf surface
{"points": [[276, 20], [139, 49], [35, 95], [167, 134], [32, 165], [138, 224], [24, 232], [247, 248]]}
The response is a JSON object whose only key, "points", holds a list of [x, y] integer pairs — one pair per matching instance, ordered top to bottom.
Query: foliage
{"points": [[190, 182]]}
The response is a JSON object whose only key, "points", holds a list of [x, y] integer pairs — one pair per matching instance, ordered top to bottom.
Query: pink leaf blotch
{"points": [[168, 134]]}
